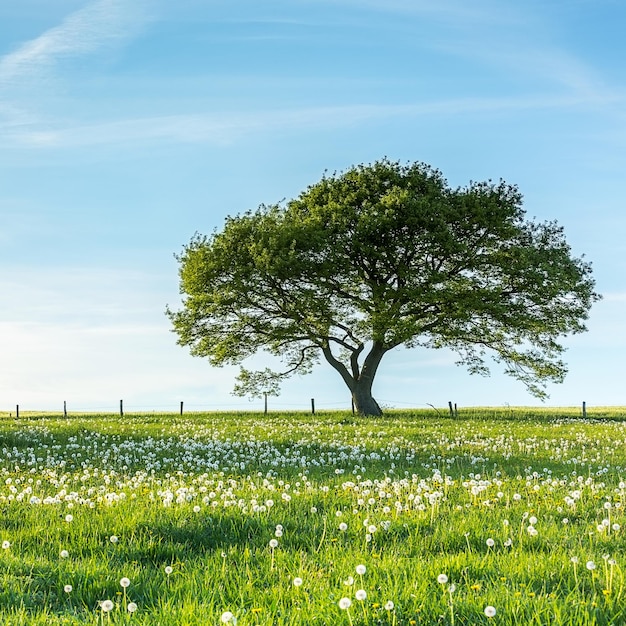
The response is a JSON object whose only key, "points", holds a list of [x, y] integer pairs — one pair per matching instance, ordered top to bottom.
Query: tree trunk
{"points": [[361, 380], [364, 402]]}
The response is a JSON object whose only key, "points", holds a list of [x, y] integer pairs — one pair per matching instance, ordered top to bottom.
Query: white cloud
{"points": [[87, 30], [226, 128]]}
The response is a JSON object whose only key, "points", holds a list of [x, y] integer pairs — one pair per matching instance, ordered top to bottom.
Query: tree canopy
{"points": [[380, 256]]}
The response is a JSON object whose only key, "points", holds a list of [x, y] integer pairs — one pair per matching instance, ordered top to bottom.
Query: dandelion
{"points": [[69, 518], [343, 527], [113, 539], [490, 543], [6, 545], [273, 545], [64, 554], [590, 565], [168, 569], [361, 569], [442, 579], [297, 581], [124, 582], [348, 582], [68, 588], [361, 595], [344, 605], [389, 605], [106, 606], [132, 607], [490, 611], [227, 617]]}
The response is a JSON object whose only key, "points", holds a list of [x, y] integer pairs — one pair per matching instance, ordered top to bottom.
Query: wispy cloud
{"points": [[98, 24], [226, 128]]}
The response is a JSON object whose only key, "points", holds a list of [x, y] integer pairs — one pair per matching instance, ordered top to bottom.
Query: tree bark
{"points": [[361, 380], [364, 402]]}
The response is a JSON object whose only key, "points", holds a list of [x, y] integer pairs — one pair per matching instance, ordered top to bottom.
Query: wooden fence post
{"points": [[265, 403], [312, 406], [181, 407], [64, 408], [121, 408], [451, 409], [584, 409], [17, 411]]}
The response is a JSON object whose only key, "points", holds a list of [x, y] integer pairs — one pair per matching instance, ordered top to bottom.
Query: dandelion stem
{"points": [[319, 547]]}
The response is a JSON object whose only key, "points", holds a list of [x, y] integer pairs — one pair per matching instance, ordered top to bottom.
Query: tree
{"points": [[380, 256]]}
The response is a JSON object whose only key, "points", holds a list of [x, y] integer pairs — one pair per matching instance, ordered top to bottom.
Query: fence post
{"points": [[265, 403], [312, 406], [181, 407], [64, 408], [121, 408], [451, 409], [584, 409], [17, 411], [456, 412]]}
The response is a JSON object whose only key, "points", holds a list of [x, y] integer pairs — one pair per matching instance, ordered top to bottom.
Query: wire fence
{"points": [[265, 404]]}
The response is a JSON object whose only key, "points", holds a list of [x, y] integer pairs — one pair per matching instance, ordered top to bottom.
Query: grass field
{"points": [[500, 516]]}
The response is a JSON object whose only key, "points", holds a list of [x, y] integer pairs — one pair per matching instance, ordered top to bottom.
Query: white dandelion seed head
{"points": [[113, 539], [273, 543], [64, 554], [590, 565], [168, 569], [361, 569], [442, 579], [297, 581], [124, 582], [68, 588], [361, 595], [344, 603], [107, 605], [389, 605], [132, 607], [490, 611]]}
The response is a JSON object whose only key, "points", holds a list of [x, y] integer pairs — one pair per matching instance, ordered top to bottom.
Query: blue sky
{"points": [[128, 125]]}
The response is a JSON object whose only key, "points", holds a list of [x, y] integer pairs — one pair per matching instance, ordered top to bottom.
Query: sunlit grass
{"points": [[212, 517]]}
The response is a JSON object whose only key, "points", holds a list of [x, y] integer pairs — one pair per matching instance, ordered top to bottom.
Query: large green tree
{"points": [[380, 256]]}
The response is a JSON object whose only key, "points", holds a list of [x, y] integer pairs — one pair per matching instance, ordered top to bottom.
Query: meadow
{"points": [[499, 516]]}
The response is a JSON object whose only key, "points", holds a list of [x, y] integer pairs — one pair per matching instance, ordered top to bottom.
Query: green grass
{"points": [[510, 504]]}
